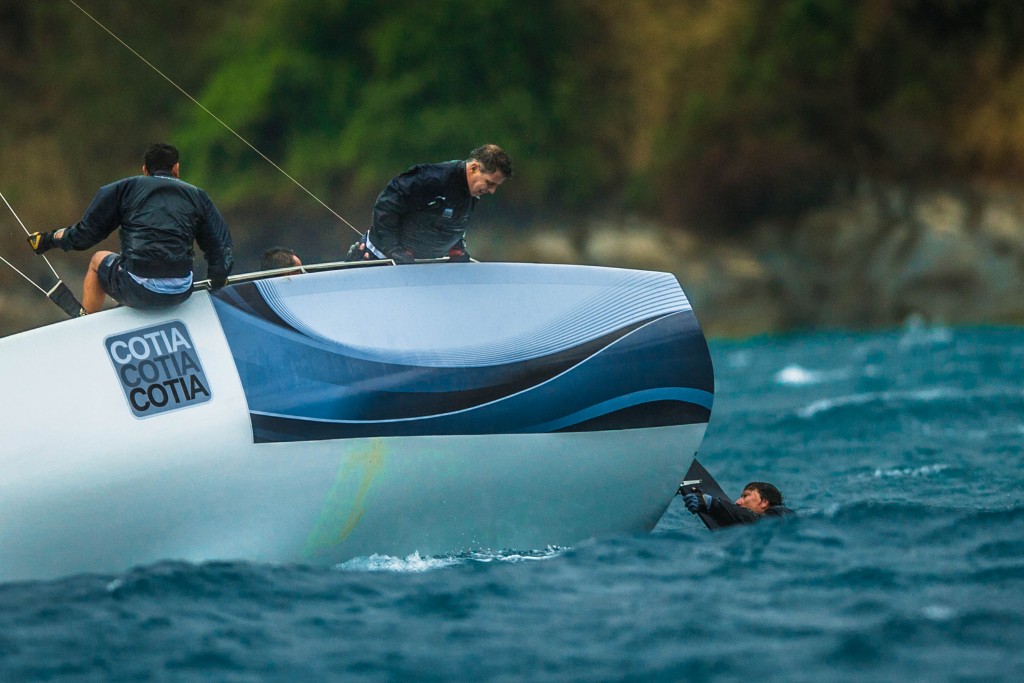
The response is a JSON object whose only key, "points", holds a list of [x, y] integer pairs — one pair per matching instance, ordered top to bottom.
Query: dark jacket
{"points": [[426, 209], [159, 216], [726, 513]]}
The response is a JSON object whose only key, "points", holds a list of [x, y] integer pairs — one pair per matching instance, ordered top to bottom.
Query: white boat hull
{"points": [[97, 477]]}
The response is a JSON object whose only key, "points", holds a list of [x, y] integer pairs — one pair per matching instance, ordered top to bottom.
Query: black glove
{"points": [[42, 242], [359, 252], [401, 255], [458, 255], [217, 280], [697, 502]]}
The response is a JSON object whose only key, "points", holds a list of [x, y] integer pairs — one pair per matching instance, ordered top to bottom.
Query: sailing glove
{"points": [[42, 242], [359, 252], [458, 255], [218, 277], [697, 502]]}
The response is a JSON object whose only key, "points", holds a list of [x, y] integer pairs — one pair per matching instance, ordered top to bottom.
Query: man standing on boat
{"points": [[424, 212], [159, 216], [759, 499]]}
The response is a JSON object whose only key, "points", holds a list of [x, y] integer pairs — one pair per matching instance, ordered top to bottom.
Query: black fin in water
{"points": [[62, 296], [707, 485]]}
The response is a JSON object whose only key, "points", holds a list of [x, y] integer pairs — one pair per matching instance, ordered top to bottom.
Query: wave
{"points": [[916, 333], [796, 375], [928, 395], [876, 397], [899, 472], [415, 563]]}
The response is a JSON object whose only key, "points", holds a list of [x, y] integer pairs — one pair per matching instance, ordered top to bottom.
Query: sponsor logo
{"points": [[158, 368]]}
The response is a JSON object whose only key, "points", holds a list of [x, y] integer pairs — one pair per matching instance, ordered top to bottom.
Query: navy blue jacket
{"points": [[426, 209], [159, 216]]}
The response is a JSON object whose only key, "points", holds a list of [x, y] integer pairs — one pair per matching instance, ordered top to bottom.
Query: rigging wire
{"points": [[215, 117], [14, 213]]}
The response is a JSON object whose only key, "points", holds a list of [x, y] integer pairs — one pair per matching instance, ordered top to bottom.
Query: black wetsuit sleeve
{"points": [[101, 218], [214, 238], [778, 511], [727, 514]]}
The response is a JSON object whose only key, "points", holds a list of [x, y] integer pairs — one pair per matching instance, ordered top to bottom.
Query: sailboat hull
{"points": [[318, 417]]}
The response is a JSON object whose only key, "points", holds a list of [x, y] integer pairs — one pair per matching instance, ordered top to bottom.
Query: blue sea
{"points": [[901, 452]]}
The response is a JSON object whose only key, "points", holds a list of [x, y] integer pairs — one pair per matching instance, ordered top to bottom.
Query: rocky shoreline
{"points": [[873, 259]]}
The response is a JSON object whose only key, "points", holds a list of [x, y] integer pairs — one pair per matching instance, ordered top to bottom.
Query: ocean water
{"points": [[901, 452]]}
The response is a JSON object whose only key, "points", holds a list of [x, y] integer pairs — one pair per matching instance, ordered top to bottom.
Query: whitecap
{"points": [[916, 332], [796, 375], [918, 395], [826, 404], [924, 471], [514, 555], [387, 563], [416, 563]]}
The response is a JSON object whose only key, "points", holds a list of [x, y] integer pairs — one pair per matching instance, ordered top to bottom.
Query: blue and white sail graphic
{"points": [[466, 349]]}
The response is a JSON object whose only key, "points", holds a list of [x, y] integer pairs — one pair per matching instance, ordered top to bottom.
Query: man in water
{"points": [[424, 212], [159, 218], [279, 257], [759, 499]]}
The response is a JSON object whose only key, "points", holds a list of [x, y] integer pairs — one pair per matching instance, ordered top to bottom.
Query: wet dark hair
{"points": [[160, 157], [492, 158], [277, 257], [767, 491]]}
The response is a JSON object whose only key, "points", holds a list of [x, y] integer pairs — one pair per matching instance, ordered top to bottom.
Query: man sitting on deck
{"points": [[159, 218]]}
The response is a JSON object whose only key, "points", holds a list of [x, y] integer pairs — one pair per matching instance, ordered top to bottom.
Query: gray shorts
{"points": [[116, 282]]}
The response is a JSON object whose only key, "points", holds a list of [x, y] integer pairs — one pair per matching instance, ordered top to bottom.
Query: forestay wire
{"points": [[215, 117]]}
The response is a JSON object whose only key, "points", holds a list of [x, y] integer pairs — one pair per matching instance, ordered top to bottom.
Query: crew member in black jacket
{"points": [[424, 212], [160, 216], [759, 499]]}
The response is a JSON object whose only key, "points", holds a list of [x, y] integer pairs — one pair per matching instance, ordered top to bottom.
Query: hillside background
{"points": [[797, 164]]}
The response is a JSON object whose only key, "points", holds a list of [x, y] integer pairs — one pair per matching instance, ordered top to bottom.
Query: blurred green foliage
{"points": [[347, 93], [713, 114]]}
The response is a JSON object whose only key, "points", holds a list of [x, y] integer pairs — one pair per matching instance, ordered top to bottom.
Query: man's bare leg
{"points": [[93, 295]]}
